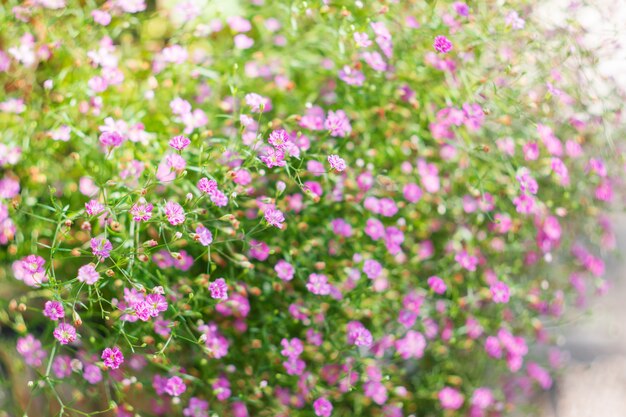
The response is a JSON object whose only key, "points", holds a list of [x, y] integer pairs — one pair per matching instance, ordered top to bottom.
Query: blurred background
{"points": [[594, 382]]}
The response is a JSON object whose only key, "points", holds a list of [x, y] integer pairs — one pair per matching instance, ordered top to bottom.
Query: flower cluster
{"points": [[331, 208]]}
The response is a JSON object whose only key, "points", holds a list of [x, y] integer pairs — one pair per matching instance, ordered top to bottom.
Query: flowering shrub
{"points": [[274, 208]]}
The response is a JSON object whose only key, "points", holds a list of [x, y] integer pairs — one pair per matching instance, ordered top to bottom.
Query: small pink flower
{"points": [[101, 17], [442, 44], [111, 139], [278, 139], [179, 142], [337, 163], [93, 208], [141, 212], [174, 213], [274, 217], [204, 235], [101, 247], [372, 268], [284, 270], [88, 274], [318, 284], [437, 285], [219, 289], [500, 292], [53, 310], [65, 333], [112, 357], [175, 386], [450, 398], [323, 407]]}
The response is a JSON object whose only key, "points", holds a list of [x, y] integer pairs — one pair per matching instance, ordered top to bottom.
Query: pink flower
{"points": [[101, 17], [243, 41], [442, 44], [351, 76], [338, 124], [111, 139], [278, 139], [179, 142], [273, 158], [337, 163], [412, 193], [93, 207], [141, 212], [174, 213], [274, 217], [204, 235], [101, 247], [372, 268], [30, 270], [284, 270], [88, 274], [318, 284], [437, 284], [219, 289], [500, 292], [53, 310], [65, 333], [358, 335], [411, 346], [293, 348], [30, 349], [112, 357], [92, 374], [175, 386], [450, 398], [482, 398], [322, 407], [196, 408]]}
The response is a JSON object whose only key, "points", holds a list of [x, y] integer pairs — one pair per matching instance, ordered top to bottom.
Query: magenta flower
{"points": [[442, 44], [351, 76], [338, 124], [111, 139], [278, 139], [179, 142], [273, 158], [337, 163], [93, 207], [141, 212], [174, 213], [274, 217], [204, 235], [101, 247], [372, 268], [30, 270], [284, 270], [88, 274], [318, 284], [437, 284], [219, 289], [500, 292], [53, 310], [65, 333], [358, 335], [411, 346], [292, 348], [30, 349], [112, 357], [62, 366], [92, 374], [175, 386], [450, 399], [322, 407], [196, 408]]}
